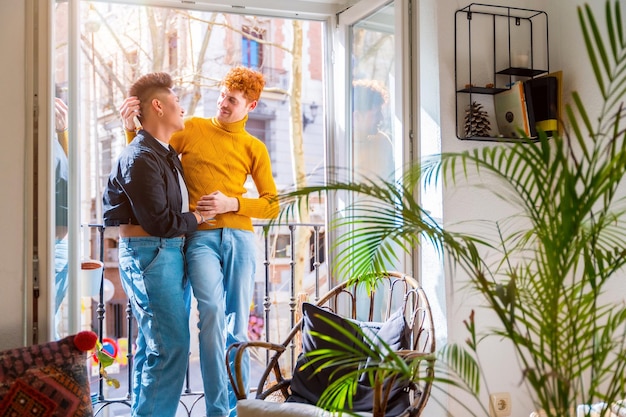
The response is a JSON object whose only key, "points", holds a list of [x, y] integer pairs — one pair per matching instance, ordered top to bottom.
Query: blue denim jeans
{"points": [[221, 265], [60, 272], [152, 274]]}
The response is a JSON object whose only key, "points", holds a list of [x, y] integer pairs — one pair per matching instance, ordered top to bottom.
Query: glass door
{"points": [[374, 139]]}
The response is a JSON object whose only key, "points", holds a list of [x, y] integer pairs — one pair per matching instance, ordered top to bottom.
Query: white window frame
{"points": [[335, 119]]}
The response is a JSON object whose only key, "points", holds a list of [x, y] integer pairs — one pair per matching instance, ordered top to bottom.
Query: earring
{"points": [[160, 113]]}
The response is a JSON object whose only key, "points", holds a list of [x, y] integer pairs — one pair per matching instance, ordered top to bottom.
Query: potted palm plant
{"points": [[548, 286]]}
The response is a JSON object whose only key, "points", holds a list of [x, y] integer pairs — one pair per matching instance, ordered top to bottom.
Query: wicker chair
{"points": [[353, 302]]}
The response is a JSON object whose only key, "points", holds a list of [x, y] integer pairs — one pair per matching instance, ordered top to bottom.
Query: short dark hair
{"points": [[150, 85]]}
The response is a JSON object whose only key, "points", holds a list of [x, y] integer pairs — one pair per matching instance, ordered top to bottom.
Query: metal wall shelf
{"points": [[490, 41]]}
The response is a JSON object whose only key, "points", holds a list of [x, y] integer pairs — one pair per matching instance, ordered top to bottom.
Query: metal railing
{"points": [[103, 403]]}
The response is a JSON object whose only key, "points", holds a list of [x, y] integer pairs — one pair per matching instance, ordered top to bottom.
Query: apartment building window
{"points": [[251, 48], [172, 49], [133, 64], [258, 129], [282, 246], [321, 249]]}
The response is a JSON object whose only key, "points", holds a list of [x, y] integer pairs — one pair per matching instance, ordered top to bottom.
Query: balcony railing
{"points": [[278, 292]]}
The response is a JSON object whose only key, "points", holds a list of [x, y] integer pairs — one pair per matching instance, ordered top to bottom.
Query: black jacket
{"points": [[143, 189]]}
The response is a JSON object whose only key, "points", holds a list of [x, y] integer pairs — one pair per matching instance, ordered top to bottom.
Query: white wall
{"points": [[567, 53], [12, 161], [501, 366]]}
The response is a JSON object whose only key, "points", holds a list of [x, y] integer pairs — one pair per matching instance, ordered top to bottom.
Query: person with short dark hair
{"points": [[373, 149], [218, 155], [61, 179], [146, 197]]}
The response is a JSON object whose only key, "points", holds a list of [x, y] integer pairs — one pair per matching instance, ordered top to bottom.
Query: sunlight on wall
{"points": [[433, 278]]}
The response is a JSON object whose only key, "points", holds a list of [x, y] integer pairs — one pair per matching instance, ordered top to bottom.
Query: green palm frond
{"points": [[386, 216], [461, 368]]}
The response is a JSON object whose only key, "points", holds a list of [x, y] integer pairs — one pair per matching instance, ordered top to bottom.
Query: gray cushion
{"points": [[260, 408]]}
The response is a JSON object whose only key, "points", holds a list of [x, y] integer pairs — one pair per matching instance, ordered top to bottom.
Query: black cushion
{"points": [[308, 385]]}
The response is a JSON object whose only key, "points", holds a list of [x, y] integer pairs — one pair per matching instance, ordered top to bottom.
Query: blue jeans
{"points": [[221, 265], [60, 272], [152, 274]]}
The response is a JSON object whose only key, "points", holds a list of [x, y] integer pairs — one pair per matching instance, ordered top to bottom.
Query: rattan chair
{"points": [[396, 290]]}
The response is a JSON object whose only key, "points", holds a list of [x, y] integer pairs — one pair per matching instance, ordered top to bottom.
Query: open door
{"points": [[373, 137]]}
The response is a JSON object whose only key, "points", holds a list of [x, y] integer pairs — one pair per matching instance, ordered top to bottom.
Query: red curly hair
{"points": [[246, 80]]}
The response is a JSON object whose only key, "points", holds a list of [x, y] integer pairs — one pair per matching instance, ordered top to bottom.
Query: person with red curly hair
{"points": [[218, 155]]}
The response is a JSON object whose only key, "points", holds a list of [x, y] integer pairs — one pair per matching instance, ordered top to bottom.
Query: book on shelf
{"points": [[545, 98], [514, 111]]}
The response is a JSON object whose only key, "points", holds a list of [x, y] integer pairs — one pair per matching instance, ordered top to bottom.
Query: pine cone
{"points": [[476, 121]]}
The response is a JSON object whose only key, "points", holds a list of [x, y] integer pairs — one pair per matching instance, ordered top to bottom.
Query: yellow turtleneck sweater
{"points": [[219, 157]]}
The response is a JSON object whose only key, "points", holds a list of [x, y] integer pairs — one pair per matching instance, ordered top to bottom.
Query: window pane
{"points": [[119, 43], [373, 70], [372, 80], [373, 146], [60, 172]]}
